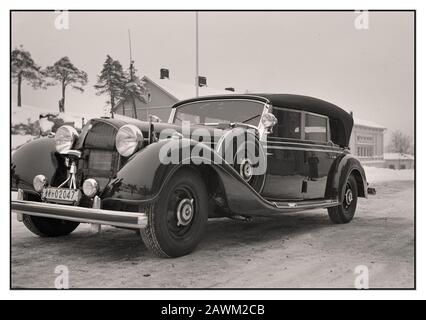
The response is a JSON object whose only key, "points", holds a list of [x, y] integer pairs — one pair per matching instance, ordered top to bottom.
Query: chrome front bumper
{"points": [[95, 215]]}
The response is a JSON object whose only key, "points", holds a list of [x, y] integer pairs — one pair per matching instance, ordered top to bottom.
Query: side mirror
{"points": [[154, 118], [269, 121]]}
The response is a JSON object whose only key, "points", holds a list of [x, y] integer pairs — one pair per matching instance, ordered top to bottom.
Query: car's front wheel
{"points": [[344, 213], [177, 220], [47, 227]]}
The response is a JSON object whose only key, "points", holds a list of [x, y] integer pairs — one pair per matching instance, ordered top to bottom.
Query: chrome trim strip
{"points": [[305, 144], [305, 149], [295, 205], [133, 220]]}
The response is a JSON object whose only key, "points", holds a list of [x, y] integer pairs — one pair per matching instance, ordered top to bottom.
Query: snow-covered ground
{"points": [[28, 113], [384, 174]]}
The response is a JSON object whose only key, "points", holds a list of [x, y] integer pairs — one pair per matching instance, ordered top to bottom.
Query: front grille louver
{"points": [[101, 136], [100, 159]]}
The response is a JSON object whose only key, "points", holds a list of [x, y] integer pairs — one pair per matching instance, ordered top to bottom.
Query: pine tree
{"points": [[23, 68], [63, 72], [111, 81], [134, 87]]}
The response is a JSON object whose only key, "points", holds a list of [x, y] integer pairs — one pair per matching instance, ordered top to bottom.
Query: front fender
{"points": [[36, 157], [342, 168], [145, 174], [141, 180]]}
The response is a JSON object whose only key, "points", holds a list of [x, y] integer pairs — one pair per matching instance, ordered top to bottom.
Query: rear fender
{"points": [[342, 168]]}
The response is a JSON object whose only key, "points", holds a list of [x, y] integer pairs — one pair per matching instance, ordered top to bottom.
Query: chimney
{"points": [[164, 74], [202, 81], [230, 89]]}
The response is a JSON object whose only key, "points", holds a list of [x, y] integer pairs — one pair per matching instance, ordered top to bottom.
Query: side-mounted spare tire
{"points": [[244, 152], [177, 219]]}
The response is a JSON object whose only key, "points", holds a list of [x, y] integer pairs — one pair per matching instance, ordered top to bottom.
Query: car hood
{"points": [[112, 125]]}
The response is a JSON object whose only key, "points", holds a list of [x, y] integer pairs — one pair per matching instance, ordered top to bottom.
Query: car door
{"points": [[319, 154], [286, 169]]}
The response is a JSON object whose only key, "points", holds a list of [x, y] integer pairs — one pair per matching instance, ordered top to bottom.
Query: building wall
{"points": [[158, 97], [159, 104], [367, 143]]}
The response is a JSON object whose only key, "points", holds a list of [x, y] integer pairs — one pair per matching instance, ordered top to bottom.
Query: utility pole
{"points": [[196, 54]]}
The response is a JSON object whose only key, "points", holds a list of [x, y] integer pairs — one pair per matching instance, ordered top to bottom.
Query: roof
{"points": [[180, 90], [341, 122], [369, 124], [397, 156]]}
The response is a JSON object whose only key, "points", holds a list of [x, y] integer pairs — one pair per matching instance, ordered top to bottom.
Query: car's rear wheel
{"points": [[345, 212], [177, 220], [47, 227]]}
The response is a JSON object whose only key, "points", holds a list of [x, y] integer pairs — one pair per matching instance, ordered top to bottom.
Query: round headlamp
{"points": [[65, 138], [128, 140], [39, 182], [90, 187]]}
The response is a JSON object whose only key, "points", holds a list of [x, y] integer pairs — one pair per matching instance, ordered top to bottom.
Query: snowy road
{"points": [[296, 251]]}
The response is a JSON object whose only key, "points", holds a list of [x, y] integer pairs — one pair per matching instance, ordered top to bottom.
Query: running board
{"points": [[305, 205]]}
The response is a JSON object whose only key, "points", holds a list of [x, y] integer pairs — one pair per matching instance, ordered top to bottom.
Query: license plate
{"points": [[61, 195]]}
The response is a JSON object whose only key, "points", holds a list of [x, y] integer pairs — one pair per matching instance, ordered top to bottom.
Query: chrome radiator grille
{"points": [[101, 136], [100, 159]]}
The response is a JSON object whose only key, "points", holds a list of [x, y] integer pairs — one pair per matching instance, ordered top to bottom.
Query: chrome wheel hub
{"points": [[246, 169], [349, 197], [185, 212]]}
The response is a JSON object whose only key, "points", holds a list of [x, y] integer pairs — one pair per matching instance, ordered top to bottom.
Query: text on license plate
{"points": [[60, 194]]}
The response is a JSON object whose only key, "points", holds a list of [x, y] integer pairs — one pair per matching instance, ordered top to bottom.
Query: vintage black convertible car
{"points": [[257, 155]]}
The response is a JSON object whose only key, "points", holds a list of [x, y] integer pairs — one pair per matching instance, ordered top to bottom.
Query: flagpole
{"points": [[130, 53], [196, 54], [135, 114]]}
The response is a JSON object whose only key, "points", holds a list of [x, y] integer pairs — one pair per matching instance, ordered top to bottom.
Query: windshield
{"points": [[224, 111]]}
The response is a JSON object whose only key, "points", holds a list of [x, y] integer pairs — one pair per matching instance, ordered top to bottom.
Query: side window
{"points": [[288, 125], [315, 128]]}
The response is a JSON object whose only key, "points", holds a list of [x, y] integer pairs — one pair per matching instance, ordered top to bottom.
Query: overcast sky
{"points": [[368, 71]]}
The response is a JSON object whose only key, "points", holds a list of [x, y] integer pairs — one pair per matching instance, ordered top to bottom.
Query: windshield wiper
{"points": [[251, 118]]}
